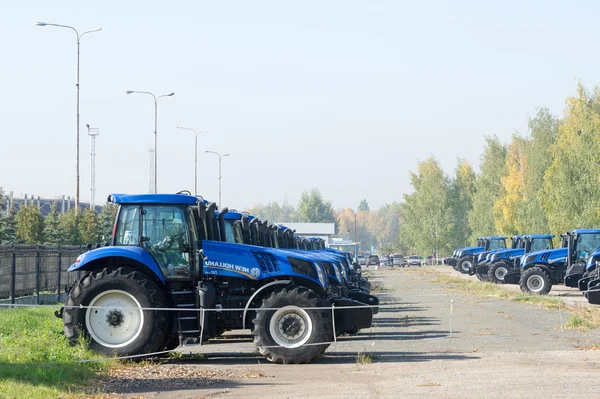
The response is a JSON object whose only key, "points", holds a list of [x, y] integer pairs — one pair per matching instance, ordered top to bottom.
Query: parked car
{"points": [[362, 260], [373, 260], [398, 260], [414, 260], [383, 261]]}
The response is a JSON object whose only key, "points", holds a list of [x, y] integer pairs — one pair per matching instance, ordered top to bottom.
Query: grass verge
{"points": [[582, 317], [37, 362]]}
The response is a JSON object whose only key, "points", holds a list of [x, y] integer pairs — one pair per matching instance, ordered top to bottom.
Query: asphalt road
{"points": [[437, 343]]}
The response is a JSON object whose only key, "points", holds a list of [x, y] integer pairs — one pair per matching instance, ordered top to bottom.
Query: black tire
{"points": [[464, 265], [497, 272], [481, 273], [535, 280], [153, 328], [322, 330]]}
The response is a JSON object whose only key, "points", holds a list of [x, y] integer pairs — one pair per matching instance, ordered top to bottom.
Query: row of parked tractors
{"points": [[532, 261], [179, 271]]}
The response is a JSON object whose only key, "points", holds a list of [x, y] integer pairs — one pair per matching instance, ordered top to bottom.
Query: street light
{"points": [[79, 36], [155, 130], [196, 133], [220, 156]]}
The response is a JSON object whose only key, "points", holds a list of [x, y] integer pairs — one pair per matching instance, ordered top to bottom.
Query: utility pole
{"points": [[93, 132], [152, 170]]}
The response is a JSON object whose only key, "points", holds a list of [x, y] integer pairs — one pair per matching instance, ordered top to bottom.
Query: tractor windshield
{"points": [[229, 235], [497, 244], [541, 244], [586, 244]]}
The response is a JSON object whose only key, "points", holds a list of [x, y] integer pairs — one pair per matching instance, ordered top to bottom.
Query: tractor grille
{"points": [[545, 256], [267, 262]]}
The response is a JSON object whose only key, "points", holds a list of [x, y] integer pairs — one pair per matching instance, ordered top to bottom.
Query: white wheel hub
{"points": [[466, 265], [500, 273], [535, 283], [114, 319], [290, 327]]}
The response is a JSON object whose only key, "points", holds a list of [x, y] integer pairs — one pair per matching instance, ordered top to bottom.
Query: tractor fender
{"points": [[98, 258], [542, 266], [272, 283]]}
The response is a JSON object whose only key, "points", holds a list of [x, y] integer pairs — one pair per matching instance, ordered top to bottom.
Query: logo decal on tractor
{"points": [[230, 266], [255, 272]]}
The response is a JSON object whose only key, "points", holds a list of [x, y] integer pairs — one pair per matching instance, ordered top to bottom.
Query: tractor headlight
{"points": [[526, 259], [302, 266], [320, 274], [338, 275]]}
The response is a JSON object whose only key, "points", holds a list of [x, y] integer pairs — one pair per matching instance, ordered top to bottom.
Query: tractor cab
{"points": [[581, 245], [485, 259]]}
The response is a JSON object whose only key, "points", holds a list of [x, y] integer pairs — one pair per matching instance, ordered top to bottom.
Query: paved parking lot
{"points": [[478, 347]]}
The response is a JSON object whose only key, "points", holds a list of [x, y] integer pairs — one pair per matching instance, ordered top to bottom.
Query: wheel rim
{"points": [[466, 265], [500, 273], [535, 283], [114, 319], [290, 327]]}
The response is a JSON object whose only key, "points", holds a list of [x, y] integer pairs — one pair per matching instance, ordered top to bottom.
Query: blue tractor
{"points": [[464, 259], [483, 259], [500, 263], [541, 269], [142, 294]]}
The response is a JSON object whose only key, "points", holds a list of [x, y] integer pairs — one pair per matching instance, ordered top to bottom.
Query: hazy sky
{"points": [[345, 96]]}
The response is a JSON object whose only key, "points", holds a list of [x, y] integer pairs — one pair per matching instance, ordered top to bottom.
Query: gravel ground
{"points": [[437, 343]]}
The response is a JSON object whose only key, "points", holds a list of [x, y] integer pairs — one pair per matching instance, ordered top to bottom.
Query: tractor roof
{"points": [[179, 199], [586, 231], [539, 236], [497, 238]]}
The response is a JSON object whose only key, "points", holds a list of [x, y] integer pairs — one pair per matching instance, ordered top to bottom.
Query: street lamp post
{"points": [[79, 36], [155, 130], [196, 134], [220, 156]]}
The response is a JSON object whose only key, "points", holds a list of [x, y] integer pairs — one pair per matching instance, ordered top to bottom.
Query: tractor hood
{"points": [[469, 251], [506, 254], [545, 257], [592, 259], [259, 263]]}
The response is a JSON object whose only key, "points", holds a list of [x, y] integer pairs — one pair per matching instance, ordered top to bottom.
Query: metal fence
{"points": [[30, 269]]}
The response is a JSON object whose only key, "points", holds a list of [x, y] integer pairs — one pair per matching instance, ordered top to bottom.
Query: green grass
{"points": [[579, 323], [364, 358], [35, 359]]}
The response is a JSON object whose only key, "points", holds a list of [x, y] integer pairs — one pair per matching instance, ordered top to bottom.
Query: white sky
{"points": [[345, 96]]}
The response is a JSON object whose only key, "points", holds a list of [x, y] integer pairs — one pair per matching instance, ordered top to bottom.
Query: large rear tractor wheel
{"points": [[464, 265], [497, 272], [481, 273], [535, 281], [115, 323], [289, 331]]}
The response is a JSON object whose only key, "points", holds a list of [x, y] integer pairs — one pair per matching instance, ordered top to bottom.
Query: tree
{"points": [[571, 184], [488, 188], [460, 203], [364, 206], [312, 208], [509, 208], [274, 212], [425, 217], [106, 221], [30, 225], [51, 226], [69, 227], [89, 228], [8, 234]]}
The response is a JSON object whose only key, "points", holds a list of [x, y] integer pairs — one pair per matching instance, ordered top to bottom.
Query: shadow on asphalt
{"points": [[406, 321], [398, 336], [392, 357]]}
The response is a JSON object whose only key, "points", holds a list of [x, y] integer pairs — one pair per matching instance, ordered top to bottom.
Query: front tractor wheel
{"points": [[464, 265], [497, 273], [535, 281], [111, 314], [289, 328]]}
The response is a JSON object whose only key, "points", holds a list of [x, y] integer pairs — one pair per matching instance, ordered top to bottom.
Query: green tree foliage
{"points": [[571, 184], [488, 188], [460, 203], [364, 206], [312, 208], [274, 212], [8, 222], [106, 222], [30, 224], [51, 226], [425, 226], [69, 227], [89, 227], [388, 228]]}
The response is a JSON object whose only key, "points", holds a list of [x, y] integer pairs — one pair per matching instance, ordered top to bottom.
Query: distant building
{"points": [[64, 203], [317, 230]]}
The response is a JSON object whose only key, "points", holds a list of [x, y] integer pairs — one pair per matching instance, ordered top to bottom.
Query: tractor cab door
{"points": [[168, 233]]}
